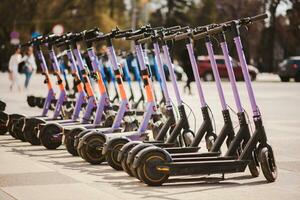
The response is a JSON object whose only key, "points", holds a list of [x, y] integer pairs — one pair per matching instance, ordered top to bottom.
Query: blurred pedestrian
{"points": [[30, 65], [13, 66]]}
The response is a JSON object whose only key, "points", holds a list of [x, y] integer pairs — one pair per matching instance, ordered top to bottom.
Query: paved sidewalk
{"points": [[34, 173]]}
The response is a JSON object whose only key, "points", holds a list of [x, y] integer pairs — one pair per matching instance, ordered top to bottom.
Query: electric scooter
{"points": [[9, 119], [31, 125], [181, 129], [206, 129], [51, 133], [92, 143], [213, 143], [113, 146], [155, 165]]}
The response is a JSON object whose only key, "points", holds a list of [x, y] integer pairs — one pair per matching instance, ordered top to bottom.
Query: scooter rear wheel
{"points": [[31, 101], [12, 119], [3, 120], [17, 128], [3, 129], [30, 132], [50, 136], [70, 139], [76, 141], [91, 150], [112, 155], [268, 164], [147, 171]]}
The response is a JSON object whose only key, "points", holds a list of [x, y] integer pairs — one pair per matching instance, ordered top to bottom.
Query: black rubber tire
{"points": [[284, 79], [31, 101], [40, 102], [2, 106], [12, 119], [3, 120], [109, 120], [3, 129], [17, 129], [29, 131], [47, 136], [70, 139], [76, 141], [90, 151], [112, 155], [268, 164], [125, 166], [253, 166], [147, 171]]}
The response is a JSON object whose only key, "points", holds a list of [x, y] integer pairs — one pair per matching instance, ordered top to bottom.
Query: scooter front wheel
{"points": [[3, 120], [11, 121], [17, 128], [29, 130], [51, 136], [70, 139], [77, 139], [91, 151], [112, 155], [268, 163], [253, 166], [149, 171]]}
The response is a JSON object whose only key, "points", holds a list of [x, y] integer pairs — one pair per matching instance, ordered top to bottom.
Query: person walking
{"points": [[13, 64], [30, 66]]}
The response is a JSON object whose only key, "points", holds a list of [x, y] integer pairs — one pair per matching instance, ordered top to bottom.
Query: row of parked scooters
{"points": [[100, 131]]}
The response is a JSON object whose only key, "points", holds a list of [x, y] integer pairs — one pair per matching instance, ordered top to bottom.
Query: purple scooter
{"points": [[155, 165]]}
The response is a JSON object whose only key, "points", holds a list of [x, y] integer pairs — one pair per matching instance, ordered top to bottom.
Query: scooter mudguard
{"points": [[87, 136], [107, 145], [126, 148], [134, 151], [138, 158]]}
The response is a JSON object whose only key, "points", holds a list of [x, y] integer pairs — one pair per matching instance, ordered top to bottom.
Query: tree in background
{"points": [[28, 16], [265, 46]]}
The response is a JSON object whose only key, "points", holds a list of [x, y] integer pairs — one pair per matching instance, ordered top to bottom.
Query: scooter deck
{"points": [[82, 125], [133, 135], [161, 143], [182, 150], [195, 154], [196, 159], [205, 167]]}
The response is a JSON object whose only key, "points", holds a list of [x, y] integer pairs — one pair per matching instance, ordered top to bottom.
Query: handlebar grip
{"points": [[259, 17], [182, 36], [145, 40]]}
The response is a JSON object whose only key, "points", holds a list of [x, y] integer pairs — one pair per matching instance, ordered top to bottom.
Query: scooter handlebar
{"points": [[259, 17], [208, 32], [182, 36], [135, 37], [169, 37], [145, 40]]}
